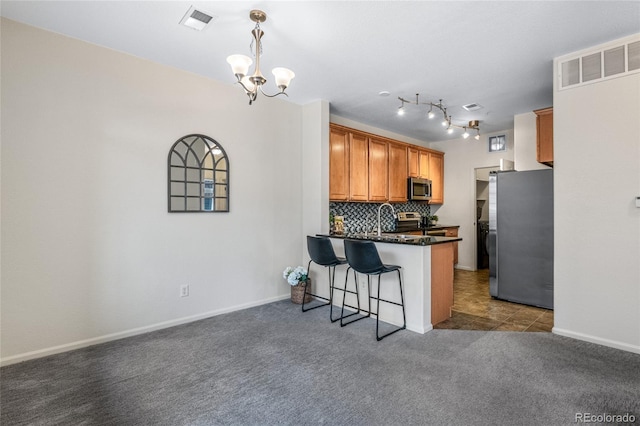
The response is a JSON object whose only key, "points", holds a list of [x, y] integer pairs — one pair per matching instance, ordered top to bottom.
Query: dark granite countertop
{"points": [[395, 238]]}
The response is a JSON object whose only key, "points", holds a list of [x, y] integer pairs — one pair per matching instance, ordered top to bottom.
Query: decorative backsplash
{"points": [[356, 214]]}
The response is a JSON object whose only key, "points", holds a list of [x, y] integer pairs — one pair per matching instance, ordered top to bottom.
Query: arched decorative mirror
{"points": [[198, 176]]}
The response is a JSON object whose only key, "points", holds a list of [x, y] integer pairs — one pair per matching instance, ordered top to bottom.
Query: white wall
{"points": [[524, 134], [462, 157], [597, 226], [88, 249]]}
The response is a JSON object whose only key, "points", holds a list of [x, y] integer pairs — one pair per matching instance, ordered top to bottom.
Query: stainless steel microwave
{"points": [[419, 189]]}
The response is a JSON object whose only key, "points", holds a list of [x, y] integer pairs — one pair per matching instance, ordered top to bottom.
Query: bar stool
{"points": [[321, 252], [363, 257]]}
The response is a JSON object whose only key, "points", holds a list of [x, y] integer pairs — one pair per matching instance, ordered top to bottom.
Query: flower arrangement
{"points": [[295, 276]]}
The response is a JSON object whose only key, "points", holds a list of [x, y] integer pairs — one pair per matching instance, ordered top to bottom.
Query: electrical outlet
{"points": [[184, 290]]}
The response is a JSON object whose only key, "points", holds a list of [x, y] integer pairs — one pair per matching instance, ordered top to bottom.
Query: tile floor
{"points": [[475, 309]]}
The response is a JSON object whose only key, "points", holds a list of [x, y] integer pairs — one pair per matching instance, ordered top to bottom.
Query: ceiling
{"points": [[496, 54]]}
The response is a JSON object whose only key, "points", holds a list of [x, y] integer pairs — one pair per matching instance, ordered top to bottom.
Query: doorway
{"points": [[481, 202]]}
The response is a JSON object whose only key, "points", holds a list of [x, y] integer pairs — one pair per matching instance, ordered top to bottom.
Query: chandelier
{"points": [[240, 65], [447, 119]]}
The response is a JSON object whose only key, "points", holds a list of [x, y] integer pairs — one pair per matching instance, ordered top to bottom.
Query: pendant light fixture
{"points": [[240, 65], [446, 120]]}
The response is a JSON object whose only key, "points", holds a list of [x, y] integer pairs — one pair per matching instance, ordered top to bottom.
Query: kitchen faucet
{"points": [[380, 208]]}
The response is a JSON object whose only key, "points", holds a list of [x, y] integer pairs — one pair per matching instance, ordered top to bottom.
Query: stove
{"points": [[408, 221]]}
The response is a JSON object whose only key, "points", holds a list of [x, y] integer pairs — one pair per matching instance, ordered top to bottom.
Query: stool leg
{"points": [[332, 285], [344, 294], [315, 295], [404, 318]]}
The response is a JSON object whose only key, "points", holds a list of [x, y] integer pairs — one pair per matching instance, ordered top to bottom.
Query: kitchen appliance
{"points": [[419, 189], [408, 221], [521, 237], [483, 253]]}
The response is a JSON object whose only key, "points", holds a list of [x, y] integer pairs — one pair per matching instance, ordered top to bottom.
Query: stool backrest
{"points": [[321, 251], [363, 256]]}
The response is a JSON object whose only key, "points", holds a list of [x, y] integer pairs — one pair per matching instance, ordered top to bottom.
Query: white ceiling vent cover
{"points": [[197, 19], [612, 61], [472, 107]]}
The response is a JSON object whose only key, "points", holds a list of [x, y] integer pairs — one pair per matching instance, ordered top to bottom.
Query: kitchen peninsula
{"points": [[427, 277]]}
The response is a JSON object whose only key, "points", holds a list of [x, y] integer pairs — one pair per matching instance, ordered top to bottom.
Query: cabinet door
{"points": [[544, 139], [414, 162], [424, 164], [338, 165], [358, 167], [378, 170], [397, 173], [436, 174], [453, 232]]}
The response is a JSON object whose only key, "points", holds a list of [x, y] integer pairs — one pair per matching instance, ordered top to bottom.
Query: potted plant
{"points": [[298, 279]]}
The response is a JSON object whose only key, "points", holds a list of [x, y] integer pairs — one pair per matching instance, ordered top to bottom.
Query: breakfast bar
{"points": [[427, 277]]}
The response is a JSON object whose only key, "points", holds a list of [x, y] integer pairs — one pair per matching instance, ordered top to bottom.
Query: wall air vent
{"points": [[197, 19], [612, 60], [472, 107]]}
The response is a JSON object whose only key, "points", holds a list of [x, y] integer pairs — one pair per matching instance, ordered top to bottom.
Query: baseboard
{"points": [[464, 268], [132, 332], [597, 340]]}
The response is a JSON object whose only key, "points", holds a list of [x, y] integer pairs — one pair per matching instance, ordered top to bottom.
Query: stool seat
{"points": [[363, 258]]}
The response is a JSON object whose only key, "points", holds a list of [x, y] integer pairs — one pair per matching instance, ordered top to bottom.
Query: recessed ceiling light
{"points": [[197, 19], [384, 93], [472, 107]]}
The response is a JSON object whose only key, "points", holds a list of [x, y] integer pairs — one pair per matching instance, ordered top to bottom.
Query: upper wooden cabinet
{"points": [[544, 136], [413, 159], [423, 164], [338, 165], [358, 167], [365, 167], [378, 170], [397, 172], [436, 174]]}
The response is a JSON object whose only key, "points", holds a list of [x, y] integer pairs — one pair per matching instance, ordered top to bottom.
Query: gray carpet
{"points": [[275, 365]]}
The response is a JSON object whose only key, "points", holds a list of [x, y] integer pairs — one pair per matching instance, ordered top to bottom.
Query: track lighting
{"points": [[240, 65], [447, 119]]}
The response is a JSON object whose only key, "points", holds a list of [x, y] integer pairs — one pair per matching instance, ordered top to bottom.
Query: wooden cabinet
{"points": [[544, 136], [413, 160], [423, 164], [338, 165], [358, 167], [364, 167], [378, 170], [397, 172], [436, 174], [453, 232], [441, 282]]}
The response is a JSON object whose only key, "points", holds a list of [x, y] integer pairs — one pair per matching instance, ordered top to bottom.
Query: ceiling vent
{"points": [[197, 19], [615, 60], [472, 107]]}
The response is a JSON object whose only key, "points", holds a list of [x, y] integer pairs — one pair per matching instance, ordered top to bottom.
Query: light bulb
{"points": [[283, 77], [401, 110], [431, 114], [445, 122], [450, 130], [465, 135], [477, 137]]}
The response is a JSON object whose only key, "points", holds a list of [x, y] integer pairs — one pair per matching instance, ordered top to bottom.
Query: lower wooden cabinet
{"points": [[453, 232]]}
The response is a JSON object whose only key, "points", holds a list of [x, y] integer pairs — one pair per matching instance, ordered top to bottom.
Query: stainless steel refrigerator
{"points": [[520, 237]]}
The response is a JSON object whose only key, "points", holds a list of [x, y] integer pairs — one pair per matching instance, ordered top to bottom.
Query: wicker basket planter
{"points": [[297, 292]]}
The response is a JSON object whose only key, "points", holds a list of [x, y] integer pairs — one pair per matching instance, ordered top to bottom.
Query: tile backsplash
{"points": [[360, 217]]}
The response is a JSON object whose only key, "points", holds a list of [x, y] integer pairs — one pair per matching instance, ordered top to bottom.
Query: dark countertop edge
{"points": [[427, 240]]}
